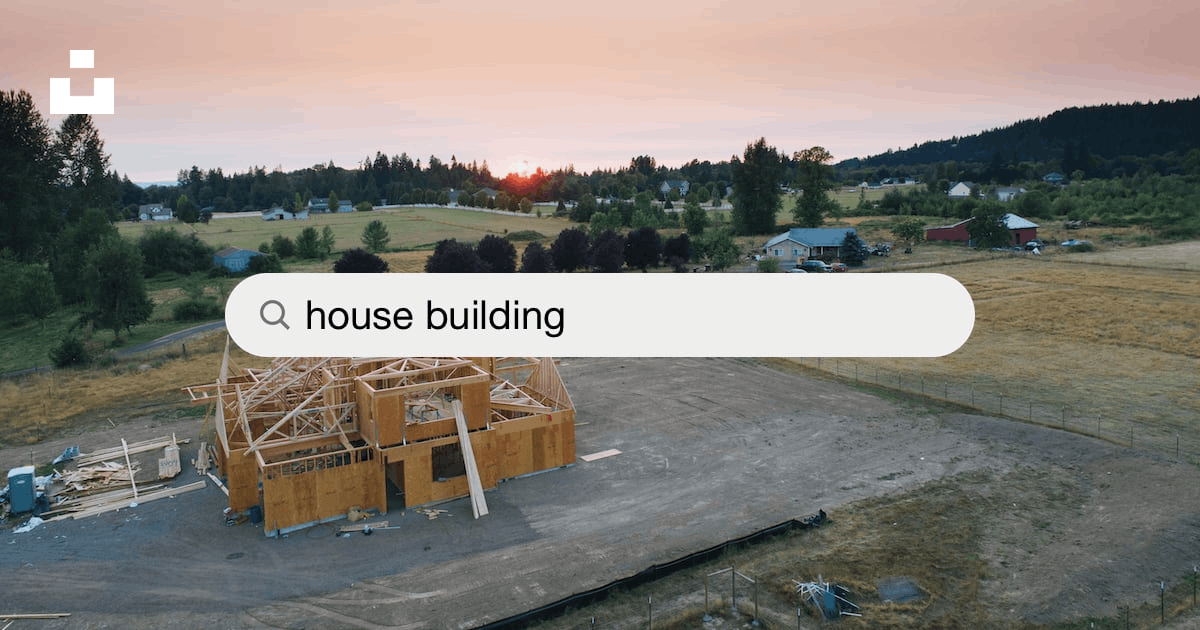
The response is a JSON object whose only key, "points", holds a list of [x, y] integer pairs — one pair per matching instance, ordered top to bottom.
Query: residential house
{"points": [[678, 184], [961, 190], [321, 204], [155, 212], [279, 214], [1022, 230], [798, 244], [234, 259]]}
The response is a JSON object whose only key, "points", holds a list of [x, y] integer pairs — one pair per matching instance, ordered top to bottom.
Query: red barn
{"points": [[1022, 230]]}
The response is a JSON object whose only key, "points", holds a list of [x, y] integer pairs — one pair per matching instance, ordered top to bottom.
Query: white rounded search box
{"points": [[601, 315]]}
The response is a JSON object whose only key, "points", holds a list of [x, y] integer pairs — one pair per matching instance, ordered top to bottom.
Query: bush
{"points": [[364, 206], [525, 235], [283, 246], [1082, 247], [360, 261], [264, 264], [768, 265], [197, 309], [70, 352]]}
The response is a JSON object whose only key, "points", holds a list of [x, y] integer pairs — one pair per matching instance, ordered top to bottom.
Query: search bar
{"points": [[601, 315]]}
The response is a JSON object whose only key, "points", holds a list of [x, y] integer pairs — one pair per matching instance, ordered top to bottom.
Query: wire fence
{"points": [[1124, 429]]}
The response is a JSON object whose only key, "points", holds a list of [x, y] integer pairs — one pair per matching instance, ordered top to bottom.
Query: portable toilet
{"points": [[21, 489]]}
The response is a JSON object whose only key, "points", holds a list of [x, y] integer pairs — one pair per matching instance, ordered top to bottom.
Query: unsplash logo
{"points": [[103, 95]]}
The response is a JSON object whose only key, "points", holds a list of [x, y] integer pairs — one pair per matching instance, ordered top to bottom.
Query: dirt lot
{"points": [[1061, 526]]}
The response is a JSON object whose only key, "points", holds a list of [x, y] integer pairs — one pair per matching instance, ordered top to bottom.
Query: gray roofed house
{"points": [[678, 184], [155, 212], [798, 243], [235, 259]]}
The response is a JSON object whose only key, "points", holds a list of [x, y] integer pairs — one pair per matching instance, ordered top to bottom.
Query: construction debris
{"points": [[69, 453], [432, 513], [828, 598]]}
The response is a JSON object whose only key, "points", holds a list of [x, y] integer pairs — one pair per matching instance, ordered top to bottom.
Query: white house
{"points": [[960, 190], [155, 212], [279, 214]]}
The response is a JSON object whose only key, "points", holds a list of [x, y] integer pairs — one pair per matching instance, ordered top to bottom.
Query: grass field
{"points": [[409, 228], [1070, 338]]}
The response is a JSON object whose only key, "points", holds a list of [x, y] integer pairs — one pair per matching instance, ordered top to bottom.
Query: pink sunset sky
{"points": [[295, 83]]}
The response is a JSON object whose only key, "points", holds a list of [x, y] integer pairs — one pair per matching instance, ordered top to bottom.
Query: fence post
{"points": [[1002, 404], [1064, 418], [733, 588], [1162, 602], [650, 612], [707, 617]]}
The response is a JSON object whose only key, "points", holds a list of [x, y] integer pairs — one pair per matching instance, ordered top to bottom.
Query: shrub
{"points": [[1083, 247], [264, 264], [768, 265], [196, 309], [70, 352]]}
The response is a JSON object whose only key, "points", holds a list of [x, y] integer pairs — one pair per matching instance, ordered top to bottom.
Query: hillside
{"points": [[1074, 135]]}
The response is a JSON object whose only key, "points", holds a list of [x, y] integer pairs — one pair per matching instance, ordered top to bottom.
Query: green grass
{"points": [[409, 228]]}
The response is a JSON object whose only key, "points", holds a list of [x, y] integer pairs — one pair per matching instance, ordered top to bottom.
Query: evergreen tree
{"points": [[83, 167], [28, 170], [816, 179], [756, 191], [375, 236], [327, 242], [308, 243], [853, 250], [114, 285]]}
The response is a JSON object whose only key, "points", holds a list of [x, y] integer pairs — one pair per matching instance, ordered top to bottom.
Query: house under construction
{"points": [[309, 438]]}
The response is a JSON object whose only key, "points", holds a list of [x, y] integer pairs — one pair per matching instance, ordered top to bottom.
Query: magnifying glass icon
{"points": [[262, 312]]}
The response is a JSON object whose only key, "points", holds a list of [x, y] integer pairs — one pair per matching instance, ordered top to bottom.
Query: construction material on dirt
{"points": [[308, 438], [69, 453], [108, 454], [600, 455], [168, 465], [96, 477], [218, 482], [145, 497], [432, 513], [362, 527], [828, 598]]}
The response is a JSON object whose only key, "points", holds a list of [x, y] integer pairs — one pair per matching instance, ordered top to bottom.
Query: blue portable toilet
{"points": [[21, 489]]}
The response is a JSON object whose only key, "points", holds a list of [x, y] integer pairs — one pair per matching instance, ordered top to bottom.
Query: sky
{"points": [[291, 84]]}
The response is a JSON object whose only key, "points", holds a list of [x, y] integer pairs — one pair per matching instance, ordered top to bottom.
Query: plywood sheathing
{"points": [[307, 438]]}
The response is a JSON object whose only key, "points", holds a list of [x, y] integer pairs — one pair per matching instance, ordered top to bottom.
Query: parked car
{"points": [[1073, 243], [1034, 244], [814, 266], [838, 267], [797, 270]]}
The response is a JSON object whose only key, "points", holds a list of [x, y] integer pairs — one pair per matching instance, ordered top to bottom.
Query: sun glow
{"points": [[522, 168]]}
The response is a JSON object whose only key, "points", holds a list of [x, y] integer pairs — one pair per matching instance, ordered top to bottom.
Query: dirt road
{"points": [[710, 449]]}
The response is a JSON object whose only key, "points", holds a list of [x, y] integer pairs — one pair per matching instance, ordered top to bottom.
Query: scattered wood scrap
{"points": [[96, 477], [432, 513], [362, 527], [35, 616]]}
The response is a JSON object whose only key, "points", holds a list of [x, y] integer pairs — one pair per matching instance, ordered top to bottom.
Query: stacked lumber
{"points": [[116, 452], [97, 477], [142, 497], [74, 505]]}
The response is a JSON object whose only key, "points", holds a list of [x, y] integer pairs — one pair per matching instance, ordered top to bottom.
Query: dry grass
{"points": [[1114, 345], [45, 404]]}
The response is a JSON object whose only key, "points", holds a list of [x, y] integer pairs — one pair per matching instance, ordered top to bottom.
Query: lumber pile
{"points": [[117, 452], [97, 477]]}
